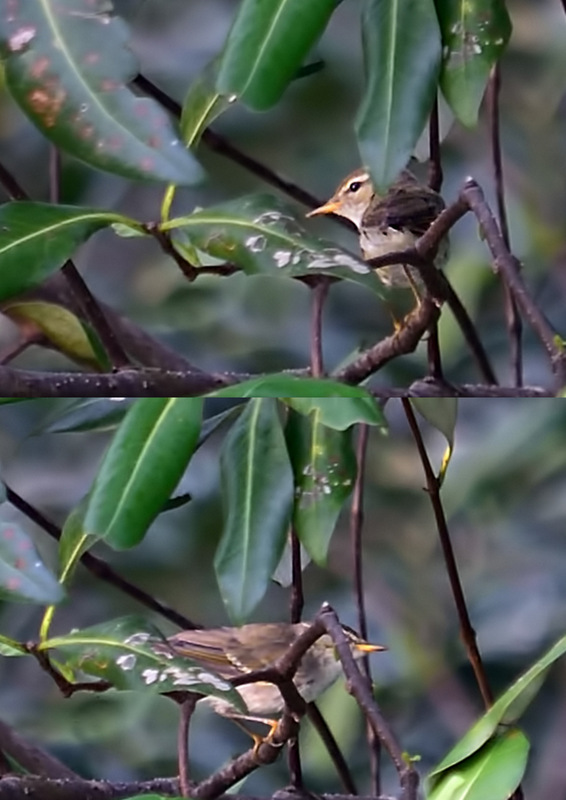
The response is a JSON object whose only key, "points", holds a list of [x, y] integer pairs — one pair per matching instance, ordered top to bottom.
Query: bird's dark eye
{"points": [[354, 186]]}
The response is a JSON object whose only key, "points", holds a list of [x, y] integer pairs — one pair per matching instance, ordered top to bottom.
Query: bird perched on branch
{"points": [[390, 222], [232, 652]]}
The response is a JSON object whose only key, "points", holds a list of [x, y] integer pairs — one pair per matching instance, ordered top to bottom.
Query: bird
{"points": [[389, 222], [234, 651]]}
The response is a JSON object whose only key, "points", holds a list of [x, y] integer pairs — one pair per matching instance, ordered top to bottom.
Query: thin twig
{"points": [[219, 144], [435, 175], [435, 182], [508, 267], [319, 292], [92, 312], [513, 320], [402, 341], [433, 490], [356, 526], [99, 567], [297, 595], [297, 604], [357, 686], [186, 710], [332, 748]]}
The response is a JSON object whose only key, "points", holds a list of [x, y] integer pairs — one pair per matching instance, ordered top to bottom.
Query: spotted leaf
{"points": [[68, 67], [23, 575], [132, 654]]}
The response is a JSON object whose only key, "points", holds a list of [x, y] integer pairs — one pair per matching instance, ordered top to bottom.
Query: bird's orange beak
{"points": [[331, 207], [365, 647]]}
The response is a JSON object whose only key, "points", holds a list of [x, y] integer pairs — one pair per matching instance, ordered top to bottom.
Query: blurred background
{"points": [[262, 323], [505, 499]]}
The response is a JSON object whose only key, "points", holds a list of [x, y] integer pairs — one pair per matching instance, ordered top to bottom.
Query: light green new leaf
{"points": [[474, 35], [267, 45], [402, 51], [68, 66], [257, 491], [506, 710], [493, 772]]}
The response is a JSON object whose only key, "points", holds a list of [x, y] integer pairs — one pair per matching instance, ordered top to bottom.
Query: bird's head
{"points": [[351, 199]]}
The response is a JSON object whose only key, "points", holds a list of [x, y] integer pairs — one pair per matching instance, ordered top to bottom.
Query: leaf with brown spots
{"points": [[68, 67], [23, 576]]}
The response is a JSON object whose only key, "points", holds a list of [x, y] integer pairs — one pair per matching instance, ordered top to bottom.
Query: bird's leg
{"points": [[258, 740]]}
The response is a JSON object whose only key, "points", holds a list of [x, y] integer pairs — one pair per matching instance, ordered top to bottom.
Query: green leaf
{"points": [[474, 35], [267, 45], [402, 51], [68, 66], [203, 104], [260, 234], [37, 238], [60, 327], [289, 387], [340, 413], [441, 413], [96, 414], [324, 465], [141, 468], [257, 490], [74, 540], [23, 576], [10, 647], [130, 653], [506, 710], [493, 772], [154, 797]]}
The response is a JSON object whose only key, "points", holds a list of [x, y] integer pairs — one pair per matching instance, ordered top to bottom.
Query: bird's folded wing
{"points": [[411, 208]]}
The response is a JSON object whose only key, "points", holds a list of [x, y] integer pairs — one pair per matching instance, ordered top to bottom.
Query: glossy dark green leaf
{"points": [[474, 35], [267, 45], [402, 51], [68, 66], [203, 104], [262, 236], [37, 238], [289, 387], [341, 413], [145, 461], [324, 466], [257, 491], [23, 576], [127, 652], [506, 710], [493, 772]]}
